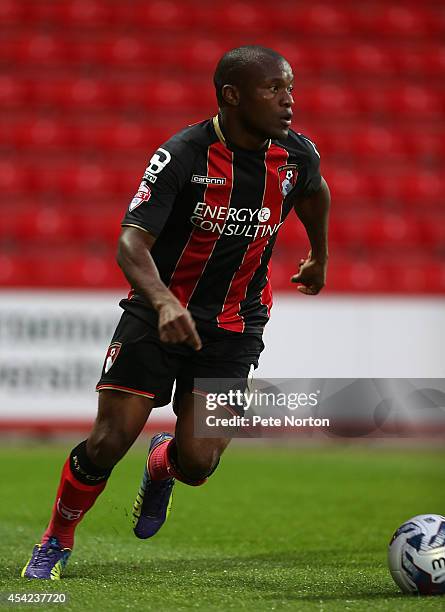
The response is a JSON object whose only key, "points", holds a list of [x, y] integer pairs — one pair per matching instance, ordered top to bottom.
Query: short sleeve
{"points": [[312, 168], [167, 172], [309, 177]]}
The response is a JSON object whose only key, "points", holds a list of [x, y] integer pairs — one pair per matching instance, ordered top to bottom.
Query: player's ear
{"points": [[230, 94]]}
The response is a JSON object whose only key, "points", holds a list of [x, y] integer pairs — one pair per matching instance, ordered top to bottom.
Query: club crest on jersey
{"points": [[287, 176], [143, 195], [111, 356]]}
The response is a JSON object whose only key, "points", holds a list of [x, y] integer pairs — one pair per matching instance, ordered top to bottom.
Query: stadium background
{"points": [[90, 88]]}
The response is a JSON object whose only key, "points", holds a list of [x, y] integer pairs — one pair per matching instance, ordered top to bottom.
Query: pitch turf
{"points": [[274, 529]]}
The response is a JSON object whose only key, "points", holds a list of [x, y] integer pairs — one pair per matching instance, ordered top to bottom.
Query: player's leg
{"points": [[221, 362], [120, 418], [182, 457], [185, 457], [195, 458]]}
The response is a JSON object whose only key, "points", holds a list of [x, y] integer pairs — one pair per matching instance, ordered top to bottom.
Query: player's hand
{"points": [[311, 275], [176, 325]]}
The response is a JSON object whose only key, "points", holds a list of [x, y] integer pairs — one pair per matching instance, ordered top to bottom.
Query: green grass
{"points": [[274, 529]]}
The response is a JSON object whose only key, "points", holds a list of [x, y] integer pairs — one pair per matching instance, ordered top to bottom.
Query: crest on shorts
{"points": [[287, 176], [143, 195], [111, 356]]}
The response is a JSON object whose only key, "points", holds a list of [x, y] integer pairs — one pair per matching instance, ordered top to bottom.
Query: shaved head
{"points": [[238, 65], [254, 90]]}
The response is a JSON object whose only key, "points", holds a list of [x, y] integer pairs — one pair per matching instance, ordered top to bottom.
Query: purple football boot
{"points": [[154, 499], [47, 561]]}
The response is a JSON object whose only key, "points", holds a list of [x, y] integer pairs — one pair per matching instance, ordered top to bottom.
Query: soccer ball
{"points": [[416, 555]]}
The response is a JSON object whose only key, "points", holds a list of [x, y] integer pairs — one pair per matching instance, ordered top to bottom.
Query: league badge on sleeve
{"points": [[288, 177], [143, 195]]}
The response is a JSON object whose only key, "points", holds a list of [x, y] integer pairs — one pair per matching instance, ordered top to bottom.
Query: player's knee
{"points": [[197, 465]]}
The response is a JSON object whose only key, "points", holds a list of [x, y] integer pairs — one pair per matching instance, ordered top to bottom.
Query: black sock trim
{"points": [[83, 469]]}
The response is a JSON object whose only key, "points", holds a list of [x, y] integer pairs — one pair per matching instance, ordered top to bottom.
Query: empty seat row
{"points": [[325, 18], [139, 52], [163, 94], [115, 135], [371, 140], [89, 179], [415, 188], [61, 223], [372, 229], [61, 269], [65, 269], [362, 275]]}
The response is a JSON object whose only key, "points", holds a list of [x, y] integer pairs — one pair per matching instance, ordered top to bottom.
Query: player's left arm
{"points": [[313, 212]]}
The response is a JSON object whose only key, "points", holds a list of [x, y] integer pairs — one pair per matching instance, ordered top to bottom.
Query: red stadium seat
{"points": [[11, 12], [86, 13], [172, 15], [244, 16], [328, 19], [398, 20], [42, 49], [129, 51], [200, 53], [368, 59], [434, 60], [13, 92], [68, 93], [328, 98], [416, 100], [40, 134], [126, 135], [374, 141], [426, 144], [13, 179], [348, 185], [422, 188], [100, 223], [47, 225], [433, 227], [352, 229], [394, 231], [64, 267], [13, 271], [94, 271], [358, 275], [435, 276]]}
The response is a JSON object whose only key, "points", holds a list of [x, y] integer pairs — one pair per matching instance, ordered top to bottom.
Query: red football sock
{"points": [[161, 466], [73, 499]]}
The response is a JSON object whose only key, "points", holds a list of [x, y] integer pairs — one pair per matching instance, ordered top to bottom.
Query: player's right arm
{"points": [[166, 174], [133, 256]]}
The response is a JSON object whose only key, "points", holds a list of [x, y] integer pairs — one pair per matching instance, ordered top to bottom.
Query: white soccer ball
{"points": [[416, 555]]}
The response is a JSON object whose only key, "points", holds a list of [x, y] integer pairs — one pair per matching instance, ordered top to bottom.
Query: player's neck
{"points": [[235, 133]]}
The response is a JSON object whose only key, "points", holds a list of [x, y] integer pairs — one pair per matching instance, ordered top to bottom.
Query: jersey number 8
{"points": [[158, 162]]}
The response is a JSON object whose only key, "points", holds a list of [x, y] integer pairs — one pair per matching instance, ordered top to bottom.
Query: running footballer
{"points": [[195, 246]]}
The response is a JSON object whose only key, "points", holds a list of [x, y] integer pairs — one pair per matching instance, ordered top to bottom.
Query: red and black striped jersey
{"points": [[216, 211]]}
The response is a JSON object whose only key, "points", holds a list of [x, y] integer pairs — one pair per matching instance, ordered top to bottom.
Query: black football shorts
{"points": [[138, 362]]}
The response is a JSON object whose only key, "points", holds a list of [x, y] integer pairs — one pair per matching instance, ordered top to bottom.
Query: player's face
{"points": [[266, 100]]}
